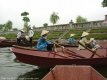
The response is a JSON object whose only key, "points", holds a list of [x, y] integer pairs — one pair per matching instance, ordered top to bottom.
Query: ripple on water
{"points": [[9, 67]]}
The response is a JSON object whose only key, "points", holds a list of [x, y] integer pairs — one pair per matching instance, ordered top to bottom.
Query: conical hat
{"points": [[22, 30], [44, 32], [84, 34], [72, 35], [91, 39]]}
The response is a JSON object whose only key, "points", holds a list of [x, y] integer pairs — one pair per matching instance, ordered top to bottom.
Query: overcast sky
{"points": [[40, 11]]}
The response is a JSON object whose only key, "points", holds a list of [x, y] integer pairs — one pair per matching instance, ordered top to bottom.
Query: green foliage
{"points": [[104, 3], [24, 13], [54, 18], [80, 19], [26, 20], [45, 25], [8, 26], [2, 27], [34, 27], [15, 29], [100, 30], [98, 34], [36, 35], [9, 36]]}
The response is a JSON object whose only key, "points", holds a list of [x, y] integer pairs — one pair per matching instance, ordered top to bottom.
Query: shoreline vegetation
{"points": [[98, 34]]}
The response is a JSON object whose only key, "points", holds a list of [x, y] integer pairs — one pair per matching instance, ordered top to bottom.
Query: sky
{"points": [[40, 11]]}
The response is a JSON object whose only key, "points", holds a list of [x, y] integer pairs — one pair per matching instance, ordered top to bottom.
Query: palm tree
{"points": [[24, 14], [54, 18], [26, 20]]}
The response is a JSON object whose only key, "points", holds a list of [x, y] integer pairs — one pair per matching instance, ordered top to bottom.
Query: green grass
{"points": [[56, 34], [9, 36]]}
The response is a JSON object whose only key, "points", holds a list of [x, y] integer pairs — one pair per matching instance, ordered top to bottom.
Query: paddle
{"points": [[69, 51], [94, 52]]}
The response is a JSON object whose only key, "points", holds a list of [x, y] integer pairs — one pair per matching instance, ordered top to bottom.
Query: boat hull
{"points": [[9, 43], [50, 59], [66, 72]]}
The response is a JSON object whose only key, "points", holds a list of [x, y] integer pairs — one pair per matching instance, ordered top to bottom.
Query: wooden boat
{"points": [[9, 43], [65, 56], [63, 72]]}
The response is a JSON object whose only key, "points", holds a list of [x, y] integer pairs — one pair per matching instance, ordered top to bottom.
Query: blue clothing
{"points": [[71, 40], [42, 44]]}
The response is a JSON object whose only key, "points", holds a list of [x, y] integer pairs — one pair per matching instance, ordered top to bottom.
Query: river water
{"points": [[11, 69]]}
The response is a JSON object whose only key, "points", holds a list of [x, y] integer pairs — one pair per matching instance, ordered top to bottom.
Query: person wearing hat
{"points": [[30, 34], [20, 36], [72, 40], [83, 40], [42, 43], [93, 44]]}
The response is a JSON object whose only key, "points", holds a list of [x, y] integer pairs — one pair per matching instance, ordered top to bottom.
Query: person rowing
{"points": [[21, 37], [72, 40], [83, 40], [42, 43], [94, 45]]}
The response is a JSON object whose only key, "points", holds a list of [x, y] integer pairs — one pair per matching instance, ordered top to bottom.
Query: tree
{"points": [[104, 3], [24, 14], [54, 18], [80, 19], [26, 20], [45, 24], [8, 26], [2, 27], [34, 27]]}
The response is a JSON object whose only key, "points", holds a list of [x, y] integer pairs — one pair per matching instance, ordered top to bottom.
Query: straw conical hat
{"points": [[22, 30], [44, 32], [84, 34], [72, 35], [91, 39]]}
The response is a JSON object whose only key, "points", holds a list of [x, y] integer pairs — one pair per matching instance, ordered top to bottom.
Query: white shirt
{"points": [[31, 33], [18, 34]]}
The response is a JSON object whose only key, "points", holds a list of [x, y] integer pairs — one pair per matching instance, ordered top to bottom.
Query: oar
{"points": [[69, 51], [94, 52]]}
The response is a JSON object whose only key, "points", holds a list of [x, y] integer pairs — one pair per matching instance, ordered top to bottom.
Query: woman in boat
{"points": [[30, 34], [21, 36], [72, 40], [83, 40], [42, 43], [93, 44]]}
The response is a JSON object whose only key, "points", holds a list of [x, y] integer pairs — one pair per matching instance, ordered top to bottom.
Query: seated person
{"points": [[21, 37], [72, 40], [83, 40], [42, 43], [93, 44]]}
